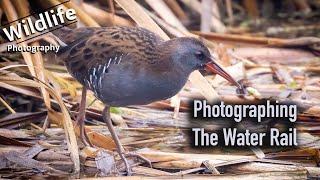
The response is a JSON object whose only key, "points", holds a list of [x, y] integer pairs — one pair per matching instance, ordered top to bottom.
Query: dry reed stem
{"points": [[178, 11], [165, 13], [83, 16], [104, 18], [35, 65], [7, 105], [67, 122]]}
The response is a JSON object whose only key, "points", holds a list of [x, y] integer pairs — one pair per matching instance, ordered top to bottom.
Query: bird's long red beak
{"points": [[217, 69]]}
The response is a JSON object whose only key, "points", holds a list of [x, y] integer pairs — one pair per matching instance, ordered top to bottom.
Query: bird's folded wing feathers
{"points": [[94, 50]]}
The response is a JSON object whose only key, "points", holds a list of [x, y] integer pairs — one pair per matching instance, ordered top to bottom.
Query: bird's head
{"points": [[189, 54]]}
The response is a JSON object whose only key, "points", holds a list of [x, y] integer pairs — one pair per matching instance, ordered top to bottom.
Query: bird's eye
{"points": [[200, 55]]}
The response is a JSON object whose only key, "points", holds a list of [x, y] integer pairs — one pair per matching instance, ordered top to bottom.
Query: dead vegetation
{"points": [[39, 99]]}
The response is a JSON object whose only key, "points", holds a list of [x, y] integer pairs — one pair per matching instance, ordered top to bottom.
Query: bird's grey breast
{"points": [[124, 86]]}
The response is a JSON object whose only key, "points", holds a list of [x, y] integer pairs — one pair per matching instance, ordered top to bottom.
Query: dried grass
{"points": [[153, 126]]}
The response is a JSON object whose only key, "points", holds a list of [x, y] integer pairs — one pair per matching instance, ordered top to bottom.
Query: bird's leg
{"points": [[81, 117], [120, 150]]}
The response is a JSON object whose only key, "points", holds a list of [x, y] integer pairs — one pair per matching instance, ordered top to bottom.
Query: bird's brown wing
{"points": [[87, 48]]}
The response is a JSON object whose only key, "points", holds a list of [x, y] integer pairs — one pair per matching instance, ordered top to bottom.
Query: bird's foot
{"points": [[241, 89], [83, 135], [86, 141], [124, 156], [138, 156], [126, 163]]}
